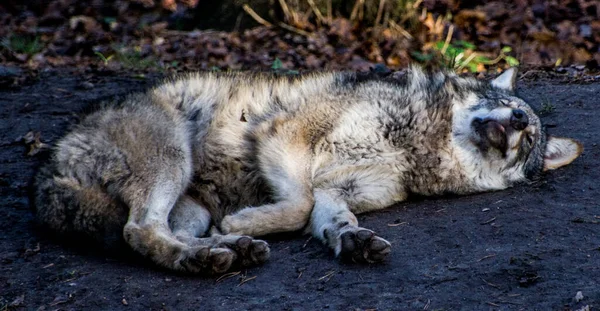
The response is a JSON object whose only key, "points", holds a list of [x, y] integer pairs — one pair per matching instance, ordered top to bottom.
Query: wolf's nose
{"points": [[519, 119]]}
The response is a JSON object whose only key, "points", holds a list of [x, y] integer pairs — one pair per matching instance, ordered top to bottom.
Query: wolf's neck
{"points": [[423, 127]]}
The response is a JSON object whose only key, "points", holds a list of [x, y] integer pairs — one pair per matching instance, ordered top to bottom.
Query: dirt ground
{"points": [[532, 247]]}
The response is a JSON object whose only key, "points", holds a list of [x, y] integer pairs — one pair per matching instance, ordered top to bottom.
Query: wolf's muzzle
{"points": [[519, 120]]}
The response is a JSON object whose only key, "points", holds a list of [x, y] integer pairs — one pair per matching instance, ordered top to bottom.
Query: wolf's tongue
{"points": [[496, 126], [496, 134]]}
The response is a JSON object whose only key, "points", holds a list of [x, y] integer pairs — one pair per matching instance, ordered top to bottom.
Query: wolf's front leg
{"points": [[284, 161], [334, 224]]}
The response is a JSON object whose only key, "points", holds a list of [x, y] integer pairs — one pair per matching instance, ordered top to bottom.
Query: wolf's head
{"points": [[505, 138]]}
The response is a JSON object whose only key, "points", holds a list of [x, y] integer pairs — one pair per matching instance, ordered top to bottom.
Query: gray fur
{"points": [[256, 154]]}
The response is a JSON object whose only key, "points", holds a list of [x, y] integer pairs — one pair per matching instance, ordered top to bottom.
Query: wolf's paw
{"points": [[362, 245], [249, 252], [208, 260]]}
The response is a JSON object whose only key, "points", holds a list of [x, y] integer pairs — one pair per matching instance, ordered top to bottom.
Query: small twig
{"points": [[357, 5], [286, 11], [329, 12], [379, 12], [256, 17], [320, 18], [386, 18], [294, 29], [401, 30], [448, 38], [495, 60], [466, 61], [440, 210], [580, 220], [488, 221], [398, 224], [306, 243], [486, 257], [80, 274], [227, 275], [327, 276], [244, 280], [491, 284], [58, 301], [427, 304], [492, 304]]}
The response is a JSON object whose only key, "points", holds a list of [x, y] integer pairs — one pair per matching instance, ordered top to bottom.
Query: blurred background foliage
{"points": [[467, 36]]}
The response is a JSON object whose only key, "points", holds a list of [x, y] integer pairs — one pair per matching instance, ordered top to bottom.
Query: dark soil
{"points": [[531, 247]]}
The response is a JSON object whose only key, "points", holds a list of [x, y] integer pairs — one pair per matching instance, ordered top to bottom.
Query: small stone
{"points": [[585, 30], [86, 85], [578, 296], [124, 302]]}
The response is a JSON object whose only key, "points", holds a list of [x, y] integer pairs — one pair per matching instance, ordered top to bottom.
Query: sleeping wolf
{"points": [[254, 154]]}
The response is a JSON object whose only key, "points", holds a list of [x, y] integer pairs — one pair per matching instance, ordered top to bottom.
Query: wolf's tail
{"points": [[66, 206]]}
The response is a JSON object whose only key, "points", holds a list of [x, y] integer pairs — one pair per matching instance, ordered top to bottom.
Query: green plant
{"points": [[22, 44], [459, 55], [421, 57], [104, 59], [133, 59], [277, 64], [547, 106]]}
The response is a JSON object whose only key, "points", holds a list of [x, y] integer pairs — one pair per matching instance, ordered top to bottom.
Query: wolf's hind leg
{"points": [[189, 219], [190, 222], [334, 224], [147, 231]]}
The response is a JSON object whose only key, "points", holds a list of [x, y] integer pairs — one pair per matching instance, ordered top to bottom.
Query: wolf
{"points": [[251, 154]]}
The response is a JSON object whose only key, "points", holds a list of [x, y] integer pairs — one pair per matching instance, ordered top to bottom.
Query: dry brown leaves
{"points": [[142, 35]]}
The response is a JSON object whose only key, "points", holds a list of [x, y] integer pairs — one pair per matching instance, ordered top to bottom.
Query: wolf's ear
{"points": [[507, 80], [560, 152]]}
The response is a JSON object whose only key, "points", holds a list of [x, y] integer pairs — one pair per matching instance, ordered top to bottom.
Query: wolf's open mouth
{"points": [[492, 133]]}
